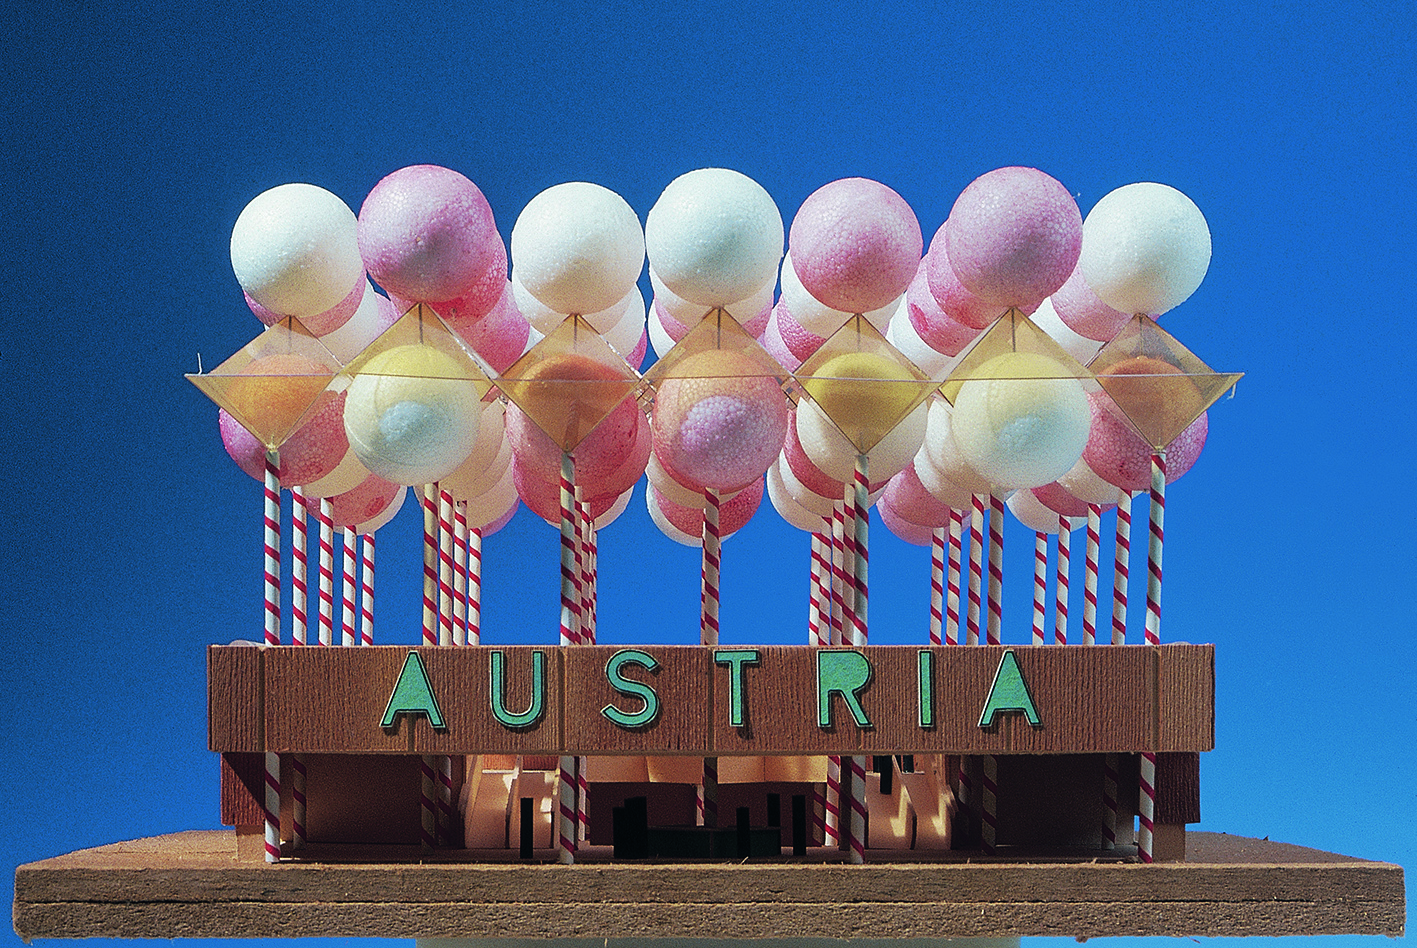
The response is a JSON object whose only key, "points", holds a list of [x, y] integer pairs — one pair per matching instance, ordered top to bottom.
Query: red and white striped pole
{"points": [[326, 520], [858, 550], [1153, 550], [1121, 565], [299, 567], [445, 567], [996, 568], [976, 569], [299, 570], [460, 572], [271, 573], [838, 574], [1089, 577], [952, 578], [1060, 582], [1040, 583], [937, 585], [474, 586], [814, 591], [366, 597], [708, 629], [349, 635], [428, 768], [1110, 778], [1147, 797], [566, 818], [990, 823]]}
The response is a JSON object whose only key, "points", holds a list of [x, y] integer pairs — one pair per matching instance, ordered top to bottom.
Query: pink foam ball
{"points": [[426, 233], [1014, 236], [855, 244], [953, 299], [1079, 307], [672, 326], [935, 327], [499, 337], [772, 341], [800, 342], [717, 426], [312, 452], [1119, 455], [599, 456], [807, 473], [939, 486], [908, 497], [543, 498], [808, 499], [1060, 500], [361, 503], [489, 505], [733, 514], [1034, 514], [911, 533]]}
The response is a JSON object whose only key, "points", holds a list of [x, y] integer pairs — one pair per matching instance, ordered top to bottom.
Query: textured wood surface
{"points": [[1114, 699], [191, 885]]}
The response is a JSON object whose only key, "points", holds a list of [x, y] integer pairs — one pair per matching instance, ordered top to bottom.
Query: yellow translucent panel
{"points": [[1013, 333], [738, 354], [446, 355], [569, 382], [862, 383], [270, 385], [1158, 385]]}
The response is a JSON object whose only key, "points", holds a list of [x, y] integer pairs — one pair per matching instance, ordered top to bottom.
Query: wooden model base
{"points": [[191, 885]]}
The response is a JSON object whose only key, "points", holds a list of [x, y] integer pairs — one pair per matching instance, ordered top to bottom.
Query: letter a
{"points": [[1009, 692], [413, 695]]}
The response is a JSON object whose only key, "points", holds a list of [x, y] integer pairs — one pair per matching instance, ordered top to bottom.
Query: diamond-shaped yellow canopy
{"points": [[718, 331], [1012, 333], [569, 382], [272, 383], [862, 383], [1157, 384]]}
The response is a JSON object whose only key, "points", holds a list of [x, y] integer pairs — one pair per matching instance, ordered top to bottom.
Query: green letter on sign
{"points": [[735, 659], [846, 673], [927, 688], [635, 689], [497, 691], [1009, 693], [413, 695]]}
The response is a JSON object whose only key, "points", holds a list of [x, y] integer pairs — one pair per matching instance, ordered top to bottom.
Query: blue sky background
{"points": [[136, 133]]}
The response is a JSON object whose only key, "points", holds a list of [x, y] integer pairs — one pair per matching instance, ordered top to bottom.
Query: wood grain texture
{"points": [[460, 680], [681, 681], [234, 698], [1117, 699], [1184, 724], [243, 782], [1178, 788], [191, 885]]}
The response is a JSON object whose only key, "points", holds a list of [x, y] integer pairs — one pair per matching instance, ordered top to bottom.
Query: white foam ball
{"points": [[714, 237], [578, 247], [1145, 248], [295, 250], [690, 313], [625, 334], [901, 334], [659, 337], [1079, 347], [409, 417], [1016, 425], [945, 455], [835, 456], [349, 474], [938, 485], [1087, 486], [807, 498], [492, 504], [786, 505], [1033, 514], [383, 516]]}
